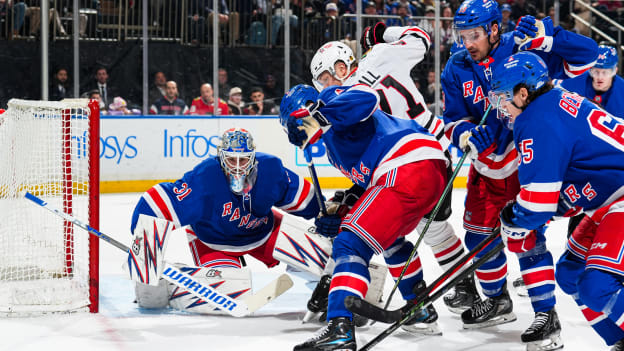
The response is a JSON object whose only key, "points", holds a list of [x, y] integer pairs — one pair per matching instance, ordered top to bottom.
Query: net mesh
{"points": [[44, 260]]}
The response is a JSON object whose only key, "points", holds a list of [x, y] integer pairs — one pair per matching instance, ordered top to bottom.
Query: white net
{"points": [[44, 260]]}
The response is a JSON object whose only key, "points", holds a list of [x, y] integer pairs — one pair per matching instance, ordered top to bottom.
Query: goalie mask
{"points": [[326, 57], [237, 154]]}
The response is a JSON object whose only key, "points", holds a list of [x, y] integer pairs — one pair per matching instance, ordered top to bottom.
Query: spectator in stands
{"points": [[382, 7], [521, 8], [18, 9], [411, 9], [197, 11], [402, 11], [224, 17], [35, 19], [278, 19], [330, 23], [507, 25], [447, 28], [101, 84], [224, 86], [60, 88], [158, 89], [271, 92], [429, 92], [95, 95], [235, 101], [169, 104], [204, 104], [259, 106], [120, 107]]}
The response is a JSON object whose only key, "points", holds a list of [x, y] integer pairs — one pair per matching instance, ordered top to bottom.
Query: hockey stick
{"points": [[315, 182], [434, 212], [184, 280], [429, 300], [363, 308]]}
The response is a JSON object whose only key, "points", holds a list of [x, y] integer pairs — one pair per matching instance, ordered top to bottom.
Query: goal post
{"points": [[50, 149]]}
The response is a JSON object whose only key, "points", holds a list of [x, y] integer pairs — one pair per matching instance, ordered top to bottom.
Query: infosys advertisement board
{"points": [[139, 151]]}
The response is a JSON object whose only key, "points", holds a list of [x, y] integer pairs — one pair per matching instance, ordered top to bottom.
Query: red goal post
{"points": [[50, 149]]}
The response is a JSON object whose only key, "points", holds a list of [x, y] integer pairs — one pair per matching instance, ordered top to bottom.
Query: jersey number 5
{"points": [[415, 109], [526, 150], [182, 192]]}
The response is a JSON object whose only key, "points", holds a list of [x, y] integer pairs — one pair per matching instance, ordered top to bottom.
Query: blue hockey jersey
{"points": [[466, 85], [611, 100], [364, 143], [572, 157], [226, 221]]}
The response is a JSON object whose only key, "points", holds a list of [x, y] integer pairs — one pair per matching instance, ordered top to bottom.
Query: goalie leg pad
{"points": [[298, 245], [145, 257]]}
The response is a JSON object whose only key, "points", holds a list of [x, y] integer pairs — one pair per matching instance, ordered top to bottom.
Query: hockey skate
{"points": [[520, 287], [463, 296], [317, 305], [489, 312], [425, 323], [339, 334], [543, 334], [618, 346]]}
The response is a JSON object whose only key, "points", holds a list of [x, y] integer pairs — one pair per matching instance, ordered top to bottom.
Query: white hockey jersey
{"points": [[386, 68]]}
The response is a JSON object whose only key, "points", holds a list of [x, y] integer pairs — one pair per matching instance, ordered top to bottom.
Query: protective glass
{"points": [[468, 36], [602, 72]]}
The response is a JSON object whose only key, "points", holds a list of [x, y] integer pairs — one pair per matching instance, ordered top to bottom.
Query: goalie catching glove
{"points": [[533, 34], [306, 125], [329, 225], [516, 239]]}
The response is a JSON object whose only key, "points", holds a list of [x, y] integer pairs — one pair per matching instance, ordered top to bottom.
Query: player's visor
{"points": [[468, 36], [602, 72]]}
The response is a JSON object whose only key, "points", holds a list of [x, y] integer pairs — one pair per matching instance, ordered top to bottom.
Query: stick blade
{"points": [[269, 293]]}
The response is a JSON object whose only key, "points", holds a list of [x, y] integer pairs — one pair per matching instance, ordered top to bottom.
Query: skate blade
{"points": [[502, 319], [423, 329], [554, 342]]}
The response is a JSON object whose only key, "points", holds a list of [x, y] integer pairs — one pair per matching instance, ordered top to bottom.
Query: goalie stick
{"points": [[434, 212], [176, 276], [406, 313]]}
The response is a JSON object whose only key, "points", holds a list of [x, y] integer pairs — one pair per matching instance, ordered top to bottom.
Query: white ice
{"points": [[120, 325]]}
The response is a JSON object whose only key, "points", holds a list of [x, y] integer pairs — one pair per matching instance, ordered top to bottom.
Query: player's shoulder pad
{"points": [[330, 93], [268, 161]]}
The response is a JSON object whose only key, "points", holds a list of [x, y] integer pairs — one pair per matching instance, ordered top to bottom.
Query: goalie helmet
{"points": [[473, 14], [326, 57], [523, 67], [297, 97], [237, 154]]}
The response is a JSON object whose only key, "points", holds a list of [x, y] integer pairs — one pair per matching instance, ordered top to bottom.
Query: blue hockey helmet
{"points": [[473, 14], [607, 57], [520, 68], [297, 97], [237, 154]]}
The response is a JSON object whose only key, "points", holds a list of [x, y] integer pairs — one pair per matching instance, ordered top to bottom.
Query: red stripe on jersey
{"points": [[419, 31], [576, 72], [413, 145], [511, 157], [302, 196], [539, 197], [162, 206], [449, 250], [414, 266], [548, 273], [492, 276], [349, 281], [590, 314]]}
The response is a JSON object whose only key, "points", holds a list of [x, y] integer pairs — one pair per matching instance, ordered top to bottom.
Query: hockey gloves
{"points": [[533, 34], [372, 36], [307, 125], [476, 140], [329, 225], [516, 239]]}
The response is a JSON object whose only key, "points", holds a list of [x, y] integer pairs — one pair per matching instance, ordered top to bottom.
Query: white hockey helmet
{"points": [[326, 57]]}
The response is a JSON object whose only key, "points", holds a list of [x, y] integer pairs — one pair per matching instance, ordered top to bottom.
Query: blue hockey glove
{"points": [[533, 34], [372, 36], [312, 122], [296, 134], [476, 140], [328, 225], [516, 239]]}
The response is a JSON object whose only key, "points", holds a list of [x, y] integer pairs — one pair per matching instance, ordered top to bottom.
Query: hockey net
{"points": [[50, 149]]}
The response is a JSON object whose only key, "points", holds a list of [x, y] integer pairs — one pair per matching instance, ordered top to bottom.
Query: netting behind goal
{"points": [[50, 149]]}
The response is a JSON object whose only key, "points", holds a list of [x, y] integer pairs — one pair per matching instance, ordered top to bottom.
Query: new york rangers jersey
{"points": [[386, 68], [466, 85], [611, 100], [364, 143], [572, 157], [223, 220]]}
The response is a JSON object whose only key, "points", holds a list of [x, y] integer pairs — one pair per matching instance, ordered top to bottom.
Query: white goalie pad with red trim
{"points": [[299, 245], [146, 255]]}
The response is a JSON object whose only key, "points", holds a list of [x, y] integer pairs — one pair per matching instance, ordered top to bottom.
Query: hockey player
{"points": [[390, 55], [389, 157], [572, 157], [492, 179], [227, 203]]}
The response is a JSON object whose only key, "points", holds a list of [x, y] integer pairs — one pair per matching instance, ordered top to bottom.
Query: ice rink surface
{"points": [[122, 326]]}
